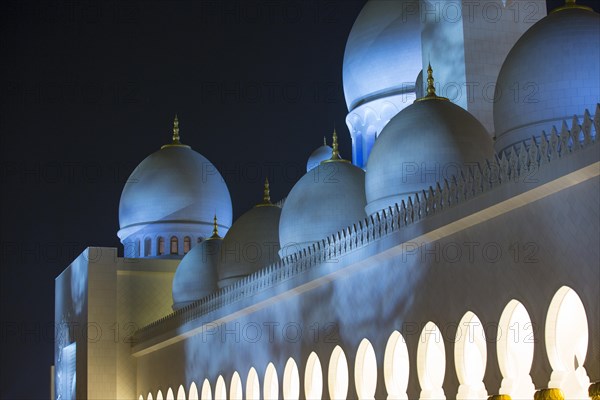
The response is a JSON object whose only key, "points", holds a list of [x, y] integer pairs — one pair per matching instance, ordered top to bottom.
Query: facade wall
{"points": [[403, 289]]}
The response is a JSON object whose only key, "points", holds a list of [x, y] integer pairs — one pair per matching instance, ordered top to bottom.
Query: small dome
{"points": [[383, 52], [551, 74], [425, 143], [320, 154], [173, 187], [325, 200], [252, 242], [196, 275]]}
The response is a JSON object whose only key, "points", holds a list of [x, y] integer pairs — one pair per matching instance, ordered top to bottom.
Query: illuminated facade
{"points": [[448, 265]]}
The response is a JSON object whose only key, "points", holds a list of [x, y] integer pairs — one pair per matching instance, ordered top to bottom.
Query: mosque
{"points": [[455, 255]]}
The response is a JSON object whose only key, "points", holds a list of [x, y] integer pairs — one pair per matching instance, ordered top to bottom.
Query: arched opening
{"points": [[187, 244], [174, 245], [161, 246], [147, 247], [138, 248], [567, 343], [515, 351], [470, 357], [431, 362], [396, 367], [365, 371], [338, 374], [313, 378], [291, 381], [271, 384], [252, 385], [220, 389], [193, 392], [236, 392], [181, 393], [206, 393], [159, 395], [170, 395], [141, 397], [149, 397]]}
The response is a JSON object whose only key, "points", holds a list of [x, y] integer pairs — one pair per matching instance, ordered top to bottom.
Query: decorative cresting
{"points": [[569, 5], [431, 88], [176, 139], [335, 151], [514, 165], [266, 202], [215, 232], [594, 391], [549, 394], [499, 397]]}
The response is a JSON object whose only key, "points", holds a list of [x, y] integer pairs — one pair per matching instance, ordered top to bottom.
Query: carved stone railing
{"points": [[516, 164]]}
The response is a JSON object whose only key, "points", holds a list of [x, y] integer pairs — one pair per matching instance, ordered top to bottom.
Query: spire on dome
{"points": [[571, 4], [430, 87], [176, 140], [324, 141], [335, 153], [266, 195], [215, 232]]}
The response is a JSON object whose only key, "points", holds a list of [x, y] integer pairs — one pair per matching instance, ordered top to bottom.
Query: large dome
{"points": [[383, 52], [551, 74], [425, 143], [174, 187], [325, 200], [252, 242], [196, 275]]}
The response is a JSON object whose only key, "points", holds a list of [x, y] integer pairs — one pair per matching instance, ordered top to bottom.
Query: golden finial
{"points": [[569, 5], [430, 87], [176, 130], [176, 139], [335, 152], [266, 195], [215, 232]]}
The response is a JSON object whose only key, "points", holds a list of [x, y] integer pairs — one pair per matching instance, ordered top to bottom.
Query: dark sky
{"points": [[89, 89]]}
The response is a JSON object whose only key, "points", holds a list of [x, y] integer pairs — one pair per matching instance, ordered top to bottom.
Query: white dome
{"points": [[383, 52], [551, 74], [425, 143], [322, 153], [172, 187], [325, 200], [252, 243], [196, 275]]}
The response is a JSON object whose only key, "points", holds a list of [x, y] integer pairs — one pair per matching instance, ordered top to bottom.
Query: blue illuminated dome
{"points": [[383, 52], [551, 74], [427, 142], [322, 153], [173, 193], [325, 200], [252, 242], [196, 275]]}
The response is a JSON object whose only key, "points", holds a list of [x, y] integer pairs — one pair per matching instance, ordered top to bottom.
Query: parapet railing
{"points": [[518, 162]]}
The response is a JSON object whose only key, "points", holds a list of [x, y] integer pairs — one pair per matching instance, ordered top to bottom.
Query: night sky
{"points": [[89, 89]]}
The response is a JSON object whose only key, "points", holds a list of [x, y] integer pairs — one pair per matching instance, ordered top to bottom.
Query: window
{"points": [[187, 244], [174, 245], [161, 246], [147, 247], [567, 343], [515, 351], [470, 357], [431, 362], [396, 366], [365, 371], [338, 374], [313, 378], [291, 381], [271, 384], [252, 385], [220, 389], [235, 389], [206, 391], [193, 394]]}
